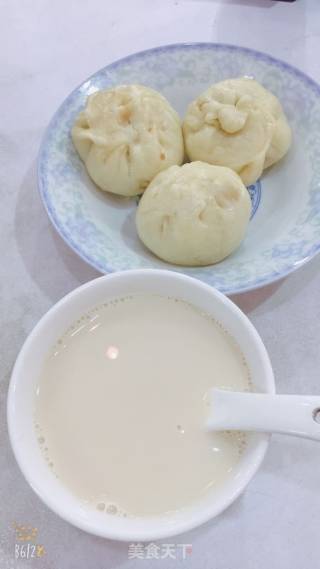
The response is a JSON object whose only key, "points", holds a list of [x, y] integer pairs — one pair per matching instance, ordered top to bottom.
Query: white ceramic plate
{"points": [[284, 231]]}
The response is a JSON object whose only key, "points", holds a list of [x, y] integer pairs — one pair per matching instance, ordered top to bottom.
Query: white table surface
{"points": [[47, 48]]}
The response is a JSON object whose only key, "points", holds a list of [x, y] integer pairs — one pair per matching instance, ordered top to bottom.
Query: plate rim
{"points": [[106, 268]]}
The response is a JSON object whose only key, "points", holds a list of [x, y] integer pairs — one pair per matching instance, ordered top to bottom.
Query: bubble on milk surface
{"points": [[110, 508]]}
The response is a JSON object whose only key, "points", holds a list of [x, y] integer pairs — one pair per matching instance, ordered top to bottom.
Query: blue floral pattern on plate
{"points": [[255, 196], [284, 231]]}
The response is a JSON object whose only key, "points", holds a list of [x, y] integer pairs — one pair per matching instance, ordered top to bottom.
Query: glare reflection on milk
{"points": [[112, 352]]}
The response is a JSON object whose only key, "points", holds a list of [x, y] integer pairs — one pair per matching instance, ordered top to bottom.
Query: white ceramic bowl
{"points": [[21, 400]]}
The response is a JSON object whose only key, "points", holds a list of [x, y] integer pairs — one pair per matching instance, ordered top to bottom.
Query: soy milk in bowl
{"points": [[119, 406]]}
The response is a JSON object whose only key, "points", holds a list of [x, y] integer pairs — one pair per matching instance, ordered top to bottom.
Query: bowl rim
{"points": [[107, 268], [190, 519]]}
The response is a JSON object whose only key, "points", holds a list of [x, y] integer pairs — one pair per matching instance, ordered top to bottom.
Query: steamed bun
{"points": [[239, 124], [127, 135], [282, 137], [196, 214]]}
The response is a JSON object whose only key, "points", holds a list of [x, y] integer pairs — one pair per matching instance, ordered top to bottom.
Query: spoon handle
{"points": [[297, 415]]}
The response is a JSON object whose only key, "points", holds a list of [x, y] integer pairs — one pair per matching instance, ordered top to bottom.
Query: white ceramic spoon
{"points": [[297, 415]]}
